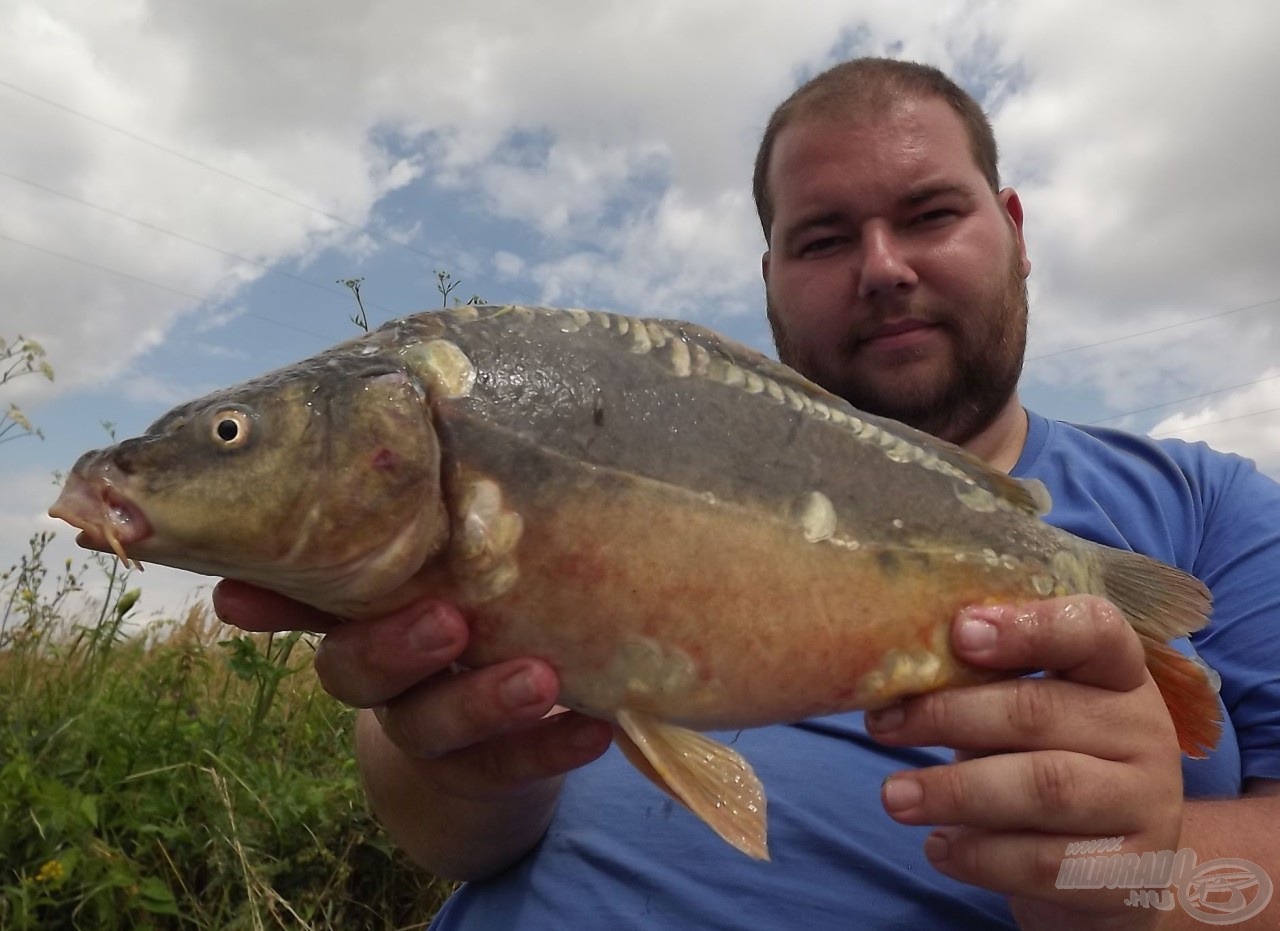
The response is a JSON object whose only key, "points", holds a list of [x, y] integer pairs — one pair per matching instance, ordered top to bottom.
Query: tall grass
{"points": [[177, 776]]}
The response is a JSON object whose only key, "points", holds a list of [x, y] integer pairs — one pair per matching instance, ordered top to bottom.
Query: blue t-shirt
{"points": [[620, 854]]}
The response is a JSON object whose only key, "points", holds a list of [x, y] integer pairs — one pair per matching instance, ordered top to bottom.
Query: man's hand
{"points": [[1085, 753], [457, 755]]}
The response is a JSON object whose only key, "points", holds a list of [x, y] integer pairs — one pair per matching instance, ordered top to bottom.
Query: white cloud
{"points": [[1145, 160], [508, 264], [644, 266], [101, 289], [219, 319], [153, 390], [1245, 421]]}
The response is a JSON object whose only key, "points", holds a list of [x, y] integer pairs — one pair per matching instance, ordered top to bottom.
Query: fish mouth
{"points": [[106, 518]]}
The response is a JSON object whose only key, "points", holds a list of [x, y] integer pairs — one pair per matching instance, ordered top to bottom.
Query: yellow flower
{"points": [[52, 871]]}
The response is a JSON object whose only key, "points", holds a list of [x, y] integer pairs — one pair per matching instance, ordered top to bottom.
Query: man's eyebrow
{"points": [[925, 194], [828, 218]]}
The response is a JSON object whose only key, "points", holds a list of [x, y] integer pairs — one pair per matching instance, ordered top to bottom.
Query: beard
{"points": [[988, 346]]}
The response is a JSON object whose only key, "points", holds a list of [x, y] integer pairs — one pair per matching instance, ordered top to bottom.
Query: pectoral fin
{"points": [[714, 782]]}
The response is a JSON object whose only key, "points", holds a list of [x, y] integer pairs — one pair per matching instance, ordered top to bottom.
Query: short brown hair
{"points": [[870, 84]]}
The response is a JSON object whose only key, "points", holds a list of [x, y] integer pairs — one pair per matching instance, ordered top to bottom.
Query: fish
{"points": [[692, 534]]}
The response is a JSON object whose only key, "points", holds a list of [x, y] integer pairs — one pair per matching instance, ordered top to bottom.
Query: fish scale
{"points": [[730, 443]]}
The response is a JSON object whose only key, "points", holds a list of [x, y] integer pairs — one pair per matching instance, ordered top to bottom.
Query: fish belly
{"points": [[705, 613]]}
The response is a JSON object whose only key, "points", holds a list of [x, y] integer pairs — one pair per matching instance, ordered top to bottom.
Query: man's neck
{"points": [[1000, 442]]}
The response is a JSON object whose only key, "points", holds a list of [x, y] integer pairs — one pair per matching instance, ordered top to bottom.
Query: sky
{"points": [[184, 184]]}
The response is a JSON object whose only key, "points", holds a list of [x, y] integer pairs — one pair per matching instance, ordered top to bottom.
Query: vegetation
{"points": [[444, 284], [360, 318], [17, 358], [174, 775], [178, 777]]}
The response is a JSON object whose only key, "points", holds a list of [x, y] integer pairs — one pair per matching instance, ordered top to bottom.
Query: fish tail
{"points": [[1163, 603], [1192, 701]]}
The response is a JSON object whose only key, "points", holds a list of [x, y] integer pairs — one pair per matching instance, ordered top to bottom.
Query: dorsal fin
{"points": [[1026, 495]]}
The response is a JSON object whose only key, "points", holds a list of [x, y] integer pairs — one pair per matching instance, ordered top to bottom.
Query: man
{"points": [[895, 277]]}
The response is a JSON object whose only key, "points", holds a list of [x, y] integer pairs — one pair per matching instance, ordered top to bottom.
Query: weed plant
{"points": [[177, 775]]}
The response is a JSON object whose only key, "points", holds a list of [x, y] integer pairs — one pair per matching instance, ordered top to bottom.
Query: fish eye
{"points": [[230, 428]]}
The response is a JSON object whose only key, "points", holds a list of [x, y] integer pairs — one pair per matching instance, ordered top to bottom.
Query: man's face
{"points": [[895, 276]]}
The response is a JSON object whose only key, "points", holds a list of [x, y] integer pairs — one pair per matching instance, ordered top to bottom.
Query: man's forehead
{"points": [[871, 110], [915, 118], [917, 147]]}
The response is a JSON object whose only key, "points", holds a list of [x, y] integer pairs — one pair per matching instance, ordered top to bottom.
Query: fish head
{"points": [[321, 482]]}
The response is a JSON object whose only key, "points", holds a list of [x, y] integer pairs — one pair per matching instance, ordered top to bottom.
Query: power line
{"points": [[195, 161], [252, 184], [195, 242], [154, 284], [1170, 326], [1193, 397], [1210, 423]]}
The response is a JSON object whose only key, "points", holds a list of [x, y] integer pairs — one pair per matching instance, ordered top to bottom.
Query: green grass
{"points": [[182, 776]]}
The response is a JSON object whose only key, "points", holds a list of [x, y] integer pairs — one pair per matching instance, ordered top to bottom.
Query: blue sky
{"points": [[184, 184]]}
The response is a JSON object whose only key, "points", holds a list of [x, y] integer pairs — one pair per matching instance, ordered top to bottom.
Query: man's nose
{"points": [[885, 266]]}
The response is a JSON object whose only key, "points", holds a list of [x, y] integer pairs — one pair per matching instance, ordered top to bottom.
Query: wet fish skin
{"points": [[304, 500], [693, 535]]}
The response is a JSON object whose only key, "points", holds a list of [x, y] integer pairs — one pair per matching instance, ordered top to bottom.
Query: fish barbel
{"points": [[694, 536]]}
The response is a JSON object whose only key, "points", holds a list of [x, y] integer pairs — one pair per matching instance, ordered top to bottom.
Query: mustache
{"points": [[885, 315]]}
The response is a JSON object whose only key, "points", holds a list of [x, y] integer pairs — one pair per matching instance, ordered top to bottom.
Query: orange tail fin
{"points": [[1163, 603], [1192, 701]]}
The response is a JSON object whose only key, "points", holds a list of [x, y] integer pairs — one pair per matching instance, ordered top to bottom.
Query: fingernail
{"points": [[429, 632], [976, 633], [518, 690], [885, 719], [900, 793], [937, 846]]}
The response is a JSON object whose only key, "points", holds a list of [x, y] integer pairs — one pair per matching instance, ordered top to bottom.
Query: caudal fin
{"points": [[1163, 603], [1192, 701]]}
